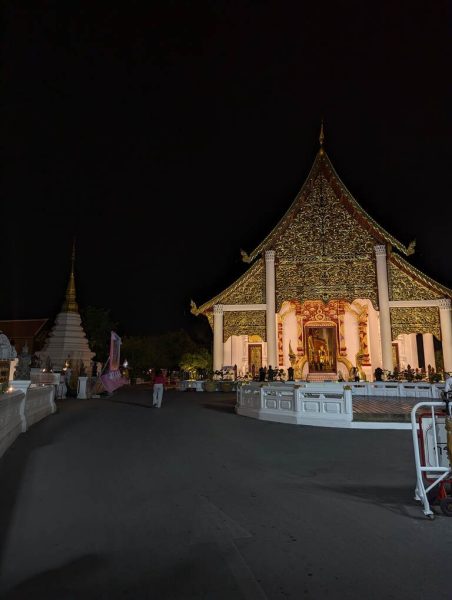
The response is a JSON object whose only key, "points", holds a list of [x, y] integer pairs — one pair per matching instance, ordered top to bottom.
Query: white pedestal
{"points": [[81, 388]]}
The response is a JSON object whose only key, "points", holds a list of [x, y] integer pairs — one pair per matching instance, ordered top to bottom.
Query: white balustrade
{"points": [[39, 403], [322, 404], [327, 405], [21, 408], [12, 420]]}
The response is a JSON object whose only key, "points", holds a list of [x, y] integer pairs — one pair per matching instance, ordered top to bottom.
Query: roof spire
{"points": [[321, 137], [70, 303]]}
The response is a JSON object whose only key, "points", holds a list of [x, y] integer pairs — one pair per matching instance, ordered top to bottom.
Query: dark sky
{"points": [[166, 136]]}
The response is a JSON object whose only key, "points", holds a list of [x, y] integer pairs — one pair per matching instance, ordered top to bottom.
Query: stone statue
{"points": [[7, 351], [35, 361], [49, 367], [22, 371]]}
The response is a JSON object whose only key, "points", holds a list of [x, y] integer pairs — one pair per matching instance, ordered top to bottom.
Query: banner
{"points": [[115, 351], [112, 380]]}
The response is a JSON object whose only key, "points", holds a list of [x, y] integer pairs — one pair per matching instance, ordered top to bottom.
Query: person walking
{"points": [[159, 385]]}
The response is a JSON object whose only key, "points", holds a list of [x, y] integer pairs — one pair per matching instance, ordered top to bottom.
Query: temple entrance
{"points": [[321, 348], [254, 358]]}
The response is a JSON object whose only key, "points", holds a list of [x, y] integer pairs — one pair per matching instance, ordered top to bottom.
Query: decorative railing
{"points": [[324, 404], [327, 405], [21, 408]]}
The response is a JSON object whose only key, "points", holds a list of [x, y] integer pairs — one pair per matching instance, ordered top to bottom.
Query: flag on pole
{"points": [[115, 351], [113, 378]]}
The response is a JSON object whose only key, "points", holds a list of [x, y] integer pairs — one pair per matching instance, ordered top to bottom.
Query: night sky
{"points": [[166, 136]]}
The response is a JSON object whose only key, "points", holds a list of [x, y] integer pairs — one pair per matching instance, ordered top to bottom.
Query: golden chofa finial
{"points": [[321, 137], [245, 257], [193, 308]]}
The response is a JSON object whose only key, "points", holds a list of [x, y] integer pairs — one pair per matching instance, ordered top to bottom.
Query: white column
{"points": [[383, 301], [270, 312], [446, 333], [218, 347], [429, 350], [414, 355]]}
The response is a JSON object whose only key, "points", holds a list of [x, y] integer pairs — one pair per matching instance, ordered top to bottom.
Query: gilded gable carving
{"points": [[322, 226], [325, 252], [326, 279], [402, 286], [249, 289], [415, 320], [250, 322]]}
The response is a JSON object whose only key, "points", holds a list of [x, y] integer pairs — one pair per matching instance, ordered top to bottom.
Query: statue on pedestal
{"points": [[22, 371]]}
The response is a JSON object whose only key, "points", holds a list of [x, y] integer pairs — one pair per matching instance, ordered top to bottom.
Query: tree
{"points": [[98, 326], [164, 350], [196, 363]]}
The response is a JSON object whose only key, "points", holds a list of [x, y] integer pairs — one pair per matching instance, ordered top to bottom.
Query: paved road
{"points": [[110, 499]]}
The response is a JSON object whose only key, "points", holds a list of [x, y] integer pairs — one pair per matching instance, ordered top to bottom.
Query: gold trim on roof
{"points": [[322, 166], [409, 283], [249, 288], [423, 319], [251, 322]]}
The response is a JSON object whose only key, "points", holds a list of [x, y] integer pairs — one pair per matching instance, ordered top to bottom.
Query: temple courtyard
{"points": [[109, 498]]}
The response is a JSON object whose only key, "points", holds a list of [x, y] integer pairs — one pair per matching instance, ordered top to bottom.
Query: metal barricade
{"points": [[432, 442]]}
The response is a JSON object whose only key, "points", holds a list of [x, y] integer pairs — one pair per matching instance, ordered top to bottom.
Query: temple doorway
{"points": [[321, 348], [395, 356], [254, 358]]}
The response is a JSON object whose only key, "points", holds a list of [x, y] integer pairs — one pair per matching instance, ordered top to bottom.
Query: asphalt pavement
{"points": [[112, 499]]}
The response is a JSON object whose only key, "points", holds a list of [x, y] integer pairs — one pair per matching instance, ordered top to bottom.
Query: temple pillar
{"points": [[383, 302], [446, 333], [218, 346], [429, 350], [414, 355], [272, 357]]}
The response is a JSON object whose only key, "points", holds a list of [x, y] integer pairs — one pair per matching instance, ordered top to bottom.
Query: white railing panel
{"points": [[39, 403], [12, 420]]}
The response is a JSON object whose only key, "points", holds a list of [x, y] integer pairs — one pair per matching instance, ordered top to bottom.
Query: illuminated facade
{"points": [[327, 290]]}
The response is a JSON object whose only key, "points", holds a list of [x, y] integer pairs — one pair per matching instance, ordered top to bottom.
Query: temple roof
{"points": [[322, 165], [326, 251], [427, 282], [248, 284], [22, 328]]}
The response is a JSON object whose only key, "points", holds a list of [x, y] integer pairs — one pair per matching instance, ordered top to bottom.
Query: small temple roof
{"points": [[22, 328]]}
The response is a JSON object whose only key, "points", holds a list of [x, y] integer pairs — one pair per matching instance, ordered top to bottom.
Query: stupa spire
{"points": [[321, 137], [70, 303]]}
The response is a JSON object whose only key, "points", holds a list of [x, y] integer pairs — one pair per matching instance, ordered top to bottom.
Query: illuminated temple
{"points": [[327, 290]]}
